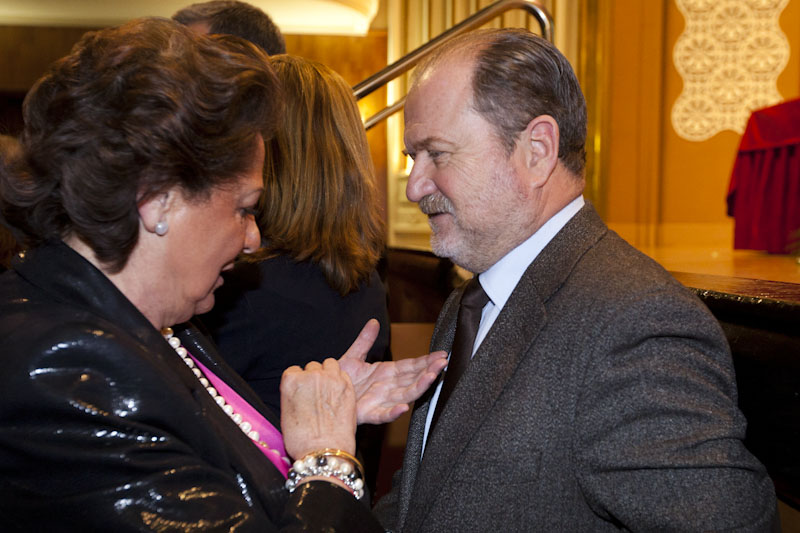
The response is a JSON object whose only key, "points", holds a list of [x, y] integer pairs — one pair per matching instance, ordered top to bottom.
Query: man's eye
{"points": [[434, 154], [412, 155], [249, 211]]}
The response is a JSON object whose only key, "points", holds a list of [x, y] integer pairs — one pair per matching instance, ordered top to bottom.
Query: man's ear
{"points": [[540, 145], [154, 209]]}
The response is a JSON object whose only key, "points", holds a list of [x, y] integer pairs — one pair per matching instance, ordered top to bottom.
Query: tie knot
{"points": [[474, 296]]}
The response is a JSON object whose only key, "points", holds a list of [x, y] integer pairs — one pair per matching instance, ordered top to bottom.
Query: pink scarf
{"points": [[268, 434]]}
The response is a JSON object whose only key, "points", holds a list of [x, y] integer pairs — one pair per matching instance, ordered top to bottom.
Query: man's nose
{"points": [[420, 183]]}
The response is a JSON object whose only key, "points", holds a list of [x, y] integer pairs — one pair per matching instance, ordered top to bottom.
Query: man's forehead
{"points": [[453, 68], [445, 85], [431, 113]]}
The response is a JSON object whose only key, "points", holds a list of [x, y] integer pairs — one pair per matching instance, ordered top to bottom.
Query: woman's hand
{"points": [[383, 390], [318, 409]]}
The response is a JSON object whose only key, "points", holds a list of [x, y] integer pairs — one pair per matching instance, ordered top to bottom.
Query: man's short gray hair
{"points": [[518, 76]]}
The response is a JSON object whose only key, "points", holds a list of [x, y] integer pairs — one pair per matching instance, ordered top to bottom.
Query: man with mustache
{"points": [[595, 392]]}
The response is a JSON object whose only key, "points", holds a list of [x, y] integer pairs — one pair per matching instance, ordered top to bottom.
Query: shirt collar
{"points": [[501, 278]]}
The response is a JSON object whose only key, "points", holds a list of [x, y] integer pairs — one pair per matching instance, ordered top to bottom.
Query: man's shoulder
{"points": [[613, 264], [601, 275], [613, 283]]}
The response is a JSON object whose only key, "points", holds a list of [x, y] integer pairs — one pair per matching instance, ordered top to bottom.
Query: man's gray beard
{"points": [[436, 245], [457, 250]]}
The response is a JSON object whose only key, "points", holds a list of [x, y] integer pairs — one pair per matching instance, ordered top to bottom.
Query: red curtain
{"points": [[764, 191]]}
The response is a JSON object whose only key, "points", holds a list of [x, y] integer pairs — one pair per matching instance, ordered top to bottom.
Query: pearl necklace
{"points": [[244, 425]]}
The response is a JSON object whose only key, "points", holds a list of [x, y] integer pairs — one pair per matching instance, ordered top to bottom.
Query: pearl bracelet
{"points": [[329, 463]]}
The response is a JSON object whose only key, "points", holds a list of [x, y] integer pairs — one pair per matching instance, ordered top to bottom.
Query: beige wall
{"points": [[633, 79]]}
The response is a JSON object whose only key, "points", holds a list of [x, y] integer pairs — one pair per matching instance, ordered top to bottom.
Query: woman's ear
{"points": [[541, 140], [153, 212]]}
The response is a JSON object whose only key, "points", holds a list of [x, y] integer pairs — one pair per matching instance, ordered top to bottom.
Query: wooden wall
{"points": [[25, 53], [660, 189]]}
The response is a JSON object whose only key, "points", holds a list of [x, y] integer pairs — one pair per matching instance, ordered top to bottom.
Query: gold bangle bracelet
{"points": [[345, 455]]}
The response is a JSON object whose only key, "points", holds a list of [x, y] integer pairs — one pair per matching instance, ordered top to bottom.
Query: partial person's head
{"points": [[234, 18], [496, 124], [147, 141], [320, 200]]}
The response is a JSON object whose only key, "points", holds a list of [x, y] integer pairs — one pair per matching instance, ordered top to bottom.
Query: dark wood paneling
{"points": [[26, 52], [11, 112], [418, 284], [757, 289], [761, 320]]}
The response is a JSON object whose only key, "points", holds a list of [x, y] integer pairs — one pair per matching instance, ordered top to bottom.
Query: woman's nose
{"points": [[252, 237]]}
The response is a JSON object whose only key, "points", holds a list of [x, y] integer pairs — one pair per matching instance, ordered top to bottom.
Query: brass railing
{"points": [[408, 61]]}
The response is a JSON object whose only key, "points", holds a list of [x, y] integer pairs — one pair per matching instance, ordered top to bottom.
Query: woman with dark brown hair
{"points": [[141, 164], [313, 284]]}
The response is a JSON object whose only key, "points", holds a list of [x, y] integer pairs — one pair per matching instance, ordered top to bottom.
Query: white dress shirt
{"points": [[501, 279]]}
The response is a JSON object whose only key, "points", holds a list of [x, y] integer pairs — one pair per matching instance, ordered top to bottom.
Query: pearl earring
{"points": [[161, 228]]}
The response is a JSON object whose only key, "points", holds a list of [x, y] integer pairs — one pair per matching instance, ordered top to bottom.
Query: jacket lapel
{"points": [[442, 340], [205, 351], [492, 366], [474, 396], [245, 456]]}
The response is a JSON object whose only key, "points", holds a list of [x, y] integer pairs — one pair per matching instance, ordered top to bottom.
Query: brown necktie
{"points": [[469, 318]]}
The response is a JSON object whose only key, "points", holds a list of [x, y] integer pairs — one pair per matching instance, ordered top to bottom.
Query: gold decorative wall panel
{"points": [[729, 55]]}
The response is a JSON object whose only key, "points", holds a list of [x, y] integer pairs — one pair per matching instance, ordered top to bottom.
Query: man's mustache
{"points": [[435, 203]]}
